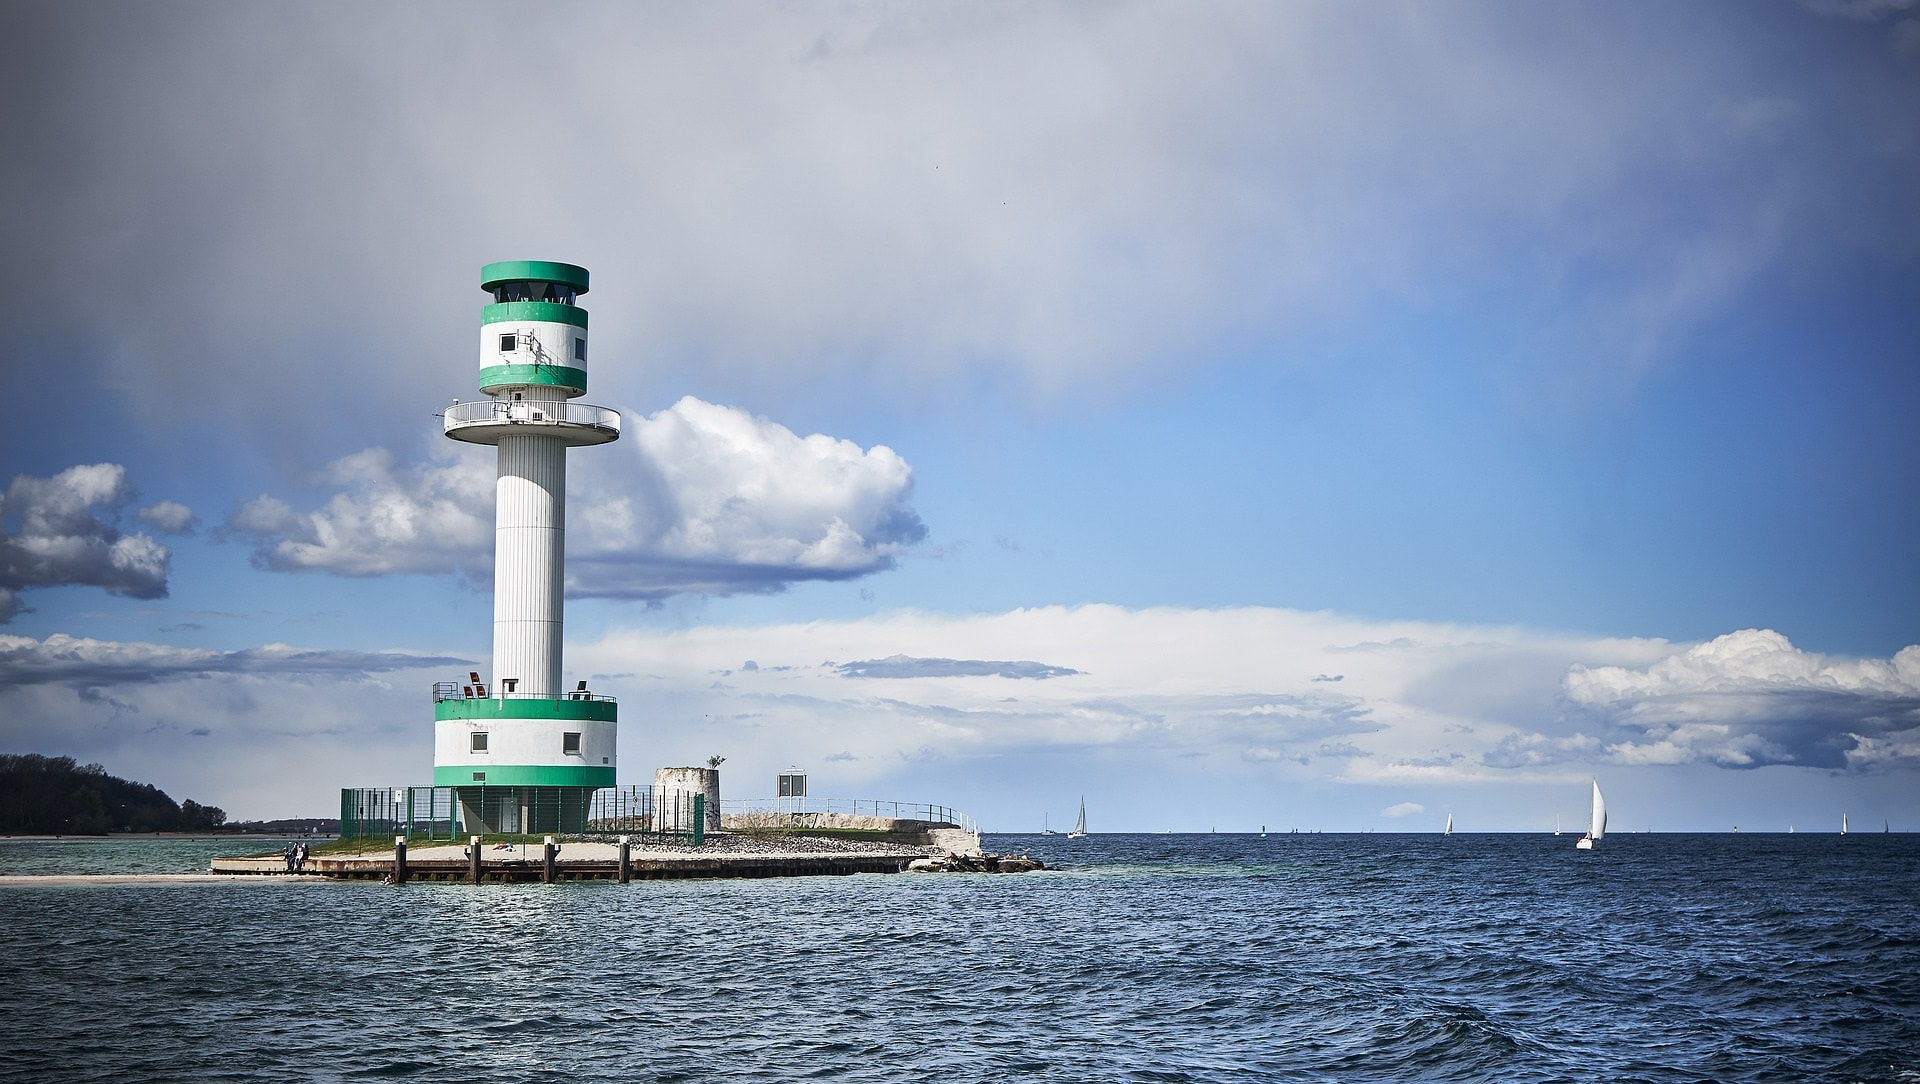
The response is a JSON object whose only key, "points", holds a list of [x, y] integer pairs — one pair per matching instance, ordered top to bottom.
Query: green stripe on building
{"points": [[539, 312], [559, 376], [532, 708], [523, 775]]}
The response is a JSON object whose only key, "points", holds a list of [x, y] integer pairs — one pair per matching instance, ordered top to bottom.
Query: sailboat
{"points": [[1596, 821], [1556, 824], [1843, 824], [1080, 825], [1044, 830], [1448, 830]]}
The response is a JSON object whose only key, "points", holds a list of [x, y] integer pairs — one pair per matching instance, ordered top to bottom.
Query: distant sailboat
{"points": [[1596, 821], [1556, 824], [1843, 824], [1080, 825], [1044, 830], [1448, 830]]}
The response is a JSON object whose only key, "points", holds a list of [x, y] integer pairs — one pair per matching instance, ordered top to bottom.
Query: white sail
{"points": [[1596, 821], [1843, 824], [1080, 825], [1448, 830]]}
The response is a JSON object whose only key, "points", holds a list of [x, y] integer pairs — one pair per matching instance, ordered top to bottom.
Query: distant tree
{"points": [[715, 761], [54, 796], [197, 817]]}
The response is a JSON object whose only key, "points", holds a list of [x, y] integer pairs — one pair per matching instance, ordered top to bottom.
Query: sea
{"points": [[1150, 958]]}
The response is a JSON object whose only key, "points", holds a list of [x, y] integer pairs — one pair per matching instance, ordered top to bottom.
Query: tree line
{"points": [[54, 796]]}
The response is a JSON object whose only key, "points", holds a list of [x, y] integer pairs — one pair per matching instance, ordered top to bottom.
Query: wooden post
{"points": [[552, 852], [473, 858], [399, 860], [626, 860]]}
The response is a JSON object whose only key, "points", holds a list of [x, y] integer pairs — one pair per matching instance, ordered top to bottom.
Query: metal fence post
{"points": [[699, 819]]}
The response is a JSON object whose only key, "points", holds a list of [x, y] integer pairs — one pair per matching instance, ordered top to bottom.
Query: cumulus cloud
{"points": [[698, 499], [724, 502], [168, 517], [390, 518], [64, 530], [1750, 699], [1403, 809]]}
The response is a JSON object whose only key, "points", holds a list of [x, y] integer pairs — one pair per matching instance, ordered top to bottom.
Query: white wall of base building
{"points": [[532, 742]]}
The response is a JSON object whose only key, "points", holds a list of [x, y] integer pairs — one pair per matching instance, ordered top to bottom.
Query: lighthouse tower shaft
{"points": [[529, 554], [525, 751]]}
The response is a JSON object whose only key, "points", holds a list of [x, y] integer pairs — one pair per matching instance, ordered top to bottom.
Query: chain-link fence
{"points": [[454, 813]]}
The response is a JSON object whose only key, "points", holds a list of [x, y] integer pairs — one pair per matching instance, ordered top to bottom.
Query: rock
{"points": [[971, 863]]}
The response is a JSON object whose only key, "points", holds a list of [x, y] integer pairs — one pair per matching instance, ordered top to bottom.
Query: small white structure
{"points": [[692, 781]]}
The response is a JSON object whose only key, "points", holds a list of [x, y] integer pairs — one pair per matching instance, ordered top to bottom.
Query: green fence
{"points": [[454, 813]]}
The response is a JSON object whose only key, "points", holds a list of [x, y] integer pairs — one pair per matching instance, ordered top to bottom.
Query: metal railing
{"points": [[529, 412], [459, 690], [800, 808], [454, 813]]}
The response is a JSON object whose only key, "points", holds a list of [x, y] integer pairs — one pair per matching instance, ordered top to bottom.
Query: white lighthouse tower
{"points": [[525, 752]]}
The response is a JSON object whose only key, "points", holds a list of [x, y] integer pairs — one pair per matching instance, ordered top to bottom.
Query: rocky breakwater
{"points": [[975, 863]]}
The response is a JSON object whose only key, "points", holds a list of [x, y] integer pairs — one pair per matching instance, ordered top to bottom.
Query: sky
{"points": [[1330, 416]]}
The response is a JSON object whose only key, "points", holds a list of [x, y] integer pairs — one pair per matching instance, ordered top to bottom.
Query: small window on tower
{"points": [[506, 344], [579, 349], [478, 741], [570, 744]]}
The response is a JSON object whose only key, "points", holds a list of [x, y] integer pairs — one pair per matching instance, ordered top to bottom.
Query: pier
{"points": [[722, 855]]}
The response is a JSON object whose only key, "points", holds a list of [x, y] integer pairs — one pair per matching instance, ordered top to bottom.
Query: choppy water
{"points": [[1149, 958]]}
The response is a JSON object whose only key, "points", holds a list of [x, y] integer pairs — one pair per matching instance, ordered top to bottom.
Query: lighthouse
{"points": [[523, 751]]}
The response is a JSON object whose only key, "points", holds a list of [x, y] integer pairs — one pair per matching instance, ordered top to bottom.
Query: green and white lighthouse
{"points": [[524, 750]]}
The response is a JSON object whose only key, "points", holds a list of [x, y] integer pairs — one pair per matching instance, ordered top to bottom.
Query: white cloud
{"points": [[698, 498], [722, 502], [168, 517], [433, 517], [68, 533], [1234, 686], [1750, 698], [1420, 704], [1167, 715]]}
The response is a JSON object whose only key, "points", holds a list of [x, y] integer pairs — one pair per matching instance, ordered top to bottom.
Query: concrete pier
{"points": [[723, 856]]}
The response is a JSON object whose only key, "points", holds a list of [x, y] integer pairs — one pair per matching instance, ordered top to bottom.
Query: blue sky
{"points": [[1319, 415]]}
